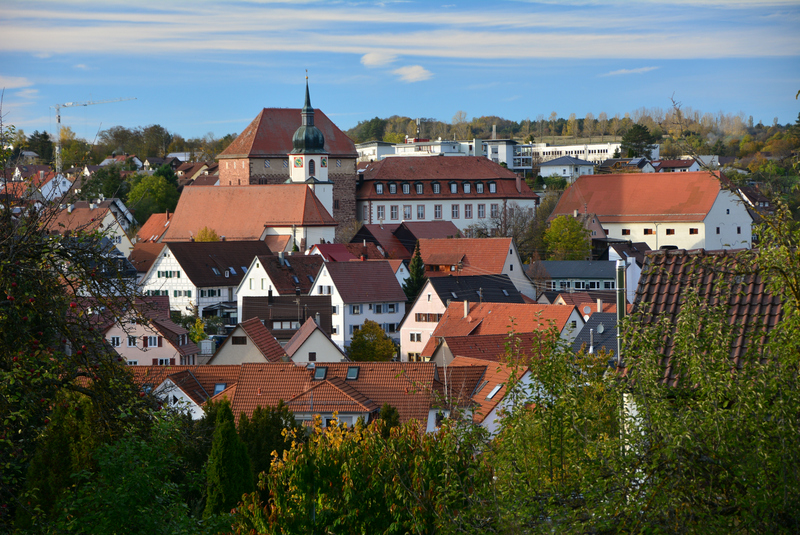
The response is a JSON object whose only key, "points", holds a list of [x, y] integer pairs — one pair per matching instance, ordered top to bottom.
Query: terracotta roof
{"points": [[270, 135], [672, 164], [440, 169], [205, 180], [642, 197], [242, 212], [82, 217], [154, 228], [383, 236], [344, 252], [144, 254], [480, 256], [199, 259], [283, 272], [668, 276], [366, 282], [576, 298], [285, 307], [497, 318], [171, 331], [302, 334], [262, 338], [490, 347], [496, 374], [206, 376], [188, 383], [456, 384], [332, 395]]}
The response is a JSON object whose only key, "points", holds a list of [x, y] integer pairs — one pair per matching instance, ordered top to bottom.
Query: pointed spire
{"points": [[308, 111]]}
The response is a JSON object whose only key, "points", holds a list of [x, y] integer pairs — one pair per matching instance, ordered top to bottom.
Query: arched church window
{"points": [[311, 165]]}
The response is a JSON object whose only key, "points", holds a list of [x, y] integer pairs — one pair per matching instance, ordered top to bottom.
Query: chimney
{"points": [[494, 131], [41, 175], [519, 184], [91, 206], [70, 208], [575, 213], [222, 238], [280, 258], [269, 296], [599, 305], [466, 308], [316, 319], [591, 341]]}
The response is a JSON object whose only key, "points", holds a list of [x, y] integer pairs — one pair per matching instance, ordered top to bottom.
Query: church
{"points": [[302, 145]]}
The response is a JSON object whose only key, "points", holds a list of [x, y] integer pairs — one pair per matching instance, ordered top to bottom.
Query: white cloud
{"points": [[377, 59], [82, 67], [640, 70], [413, 73], [13, 82], [27, 93]]}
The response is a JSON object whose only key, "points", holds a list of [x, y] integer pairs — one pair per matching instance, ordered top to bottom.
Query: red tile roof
{"points": [[270, 135], [440, 169], [642, 197], [242, 212], [82, 217], [154, 228], [385, 238], [344, 252], [144, 255], [480, 256], [366, 282], [497, 318], [171, 332], [302, 334], [263, 339], [491, 347], [496, 374], [206, 376], [332, 395]]}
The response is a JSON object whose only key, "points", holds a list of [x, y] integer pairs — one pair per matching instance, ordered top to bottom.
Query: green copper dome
{"points": [[308, 139]]}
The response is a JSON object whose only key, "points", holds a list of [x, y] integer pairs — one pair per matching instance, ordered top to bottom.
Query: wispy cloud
{"points": [[377, 59], [82, 67], [640, 70], [413, 73], [13, 82], [27, 93]]}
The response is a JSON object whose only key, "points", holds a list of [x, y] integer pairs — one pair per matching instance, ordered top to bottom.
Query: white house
{"points": [[567, 167], [677, 210], [108, 216], [361, 291], [311, 344]]}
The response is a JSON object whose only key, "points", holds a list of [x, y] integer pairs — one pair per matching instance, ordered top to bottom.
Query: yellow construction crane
{"points": [[58, 121]]}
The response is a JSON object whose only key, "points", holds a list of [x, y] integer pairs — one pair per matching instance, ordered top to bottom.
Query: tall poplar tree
{"points": [[416, 276], [229, 471]]}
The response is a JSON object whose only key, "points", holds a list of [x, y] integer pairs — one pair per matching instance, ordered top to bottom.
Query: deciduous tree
{"points": [[207, 234], [566, 239], [371, 343]]}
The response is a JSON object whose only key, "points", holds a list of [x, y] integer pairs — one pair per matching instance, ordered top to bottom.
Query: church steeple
{"points": [[308, 139]]}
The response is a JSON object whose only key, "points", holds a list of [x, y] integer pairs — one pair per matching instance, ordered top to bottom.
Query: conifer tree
{"points": [[416, 276], [229, 471]]}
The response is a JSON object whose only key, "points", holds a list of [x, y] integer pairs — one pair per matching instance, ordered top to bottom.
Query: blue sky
{"points": [[202, 66]]}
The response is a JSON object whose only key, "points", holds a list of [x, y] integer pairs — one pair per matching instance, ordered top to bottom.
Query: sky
{"points": [[210, 66]]}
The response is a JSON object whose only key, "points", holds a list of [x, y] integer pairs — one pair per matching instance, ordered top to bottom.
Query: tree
{"points": [[602, 124], [460, 125], [572, 126], [589, 126], [638, 142], [41, 144], [108, 182], [151, 195], [207, 234], [566, 239], [416, 276], [197, 331], [371, 343], [389, 418], [229, 470]]}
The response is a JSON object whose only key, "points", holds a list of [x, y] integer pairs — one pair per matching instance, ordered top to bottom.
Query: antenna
{"points": [[58, 121]]}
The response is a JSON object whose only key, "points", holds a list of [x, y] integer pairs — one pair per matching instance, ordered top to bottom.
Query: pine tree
{"points": [[416, 276], [229, 472]]}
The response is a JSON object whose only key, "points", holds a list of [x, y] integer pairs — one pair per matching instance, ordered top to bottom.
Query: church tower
{"points": [[308, 160]]}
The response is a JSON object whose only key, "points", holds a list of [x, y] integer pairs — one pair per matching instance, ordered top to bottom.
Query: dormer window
{"points": [[418, 187], [436, 187], [453, 187], [466, 187], [479, 187], [492, 187], [392, 188], [379, 189], [406, 189]]}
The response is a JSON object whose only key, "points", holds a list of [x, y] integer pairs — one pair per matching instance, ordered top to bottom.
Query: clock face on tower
{"points": [[298, 162], [323, 162]]}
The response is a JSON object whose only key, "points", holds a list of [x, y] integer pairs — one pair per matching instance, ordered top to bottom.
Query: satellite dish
{"points": [[587, 309], [600, 329]]}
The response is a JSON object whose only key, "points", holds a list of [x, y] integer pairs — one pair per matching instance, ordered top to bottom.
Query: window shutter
{"points": [[144, 341], [159, 341], [155, 362], [172, 362]]}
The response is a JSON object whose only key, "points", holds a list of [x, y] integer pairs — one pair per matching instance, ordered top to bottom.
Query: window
{"points": [[338, 163], [285, 164], [311, 165], [436, 187], [453, 187], [466, 187], [479, 187], [492, 187], [392, 188], [418, 188], [379, 189], [406, 189], [495, 210], [727, 210], [394, 211], [421, 211], [437, 211], [455, 211], [468, 211], [481, 211], [407, 212], [364, 213], [381, 213], [717, 230], [738, 230], [671, 231], [694, 231], [626, 232], [648, 232], [216, 271], [608, 285], [391, 308], [335, 309], [356, 309], [378, 309], [573, 324], [334, 329], [415, 337], [239, 340], [115, 341], [131, 341], [312, 356], [164, 362], [133, 363], [320, 373], [352, 373], [219, 387], [494, 391]]}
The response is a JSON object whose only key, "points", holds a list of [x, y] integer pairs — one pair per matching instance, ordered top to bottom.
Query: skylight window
{"points": [[286, 261], [244, 269], [216, 271], [233, 271], [310, 278], [295, 279], [505, 292], [320, 373], [352, 373], [219, 387], [494, 391]]}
